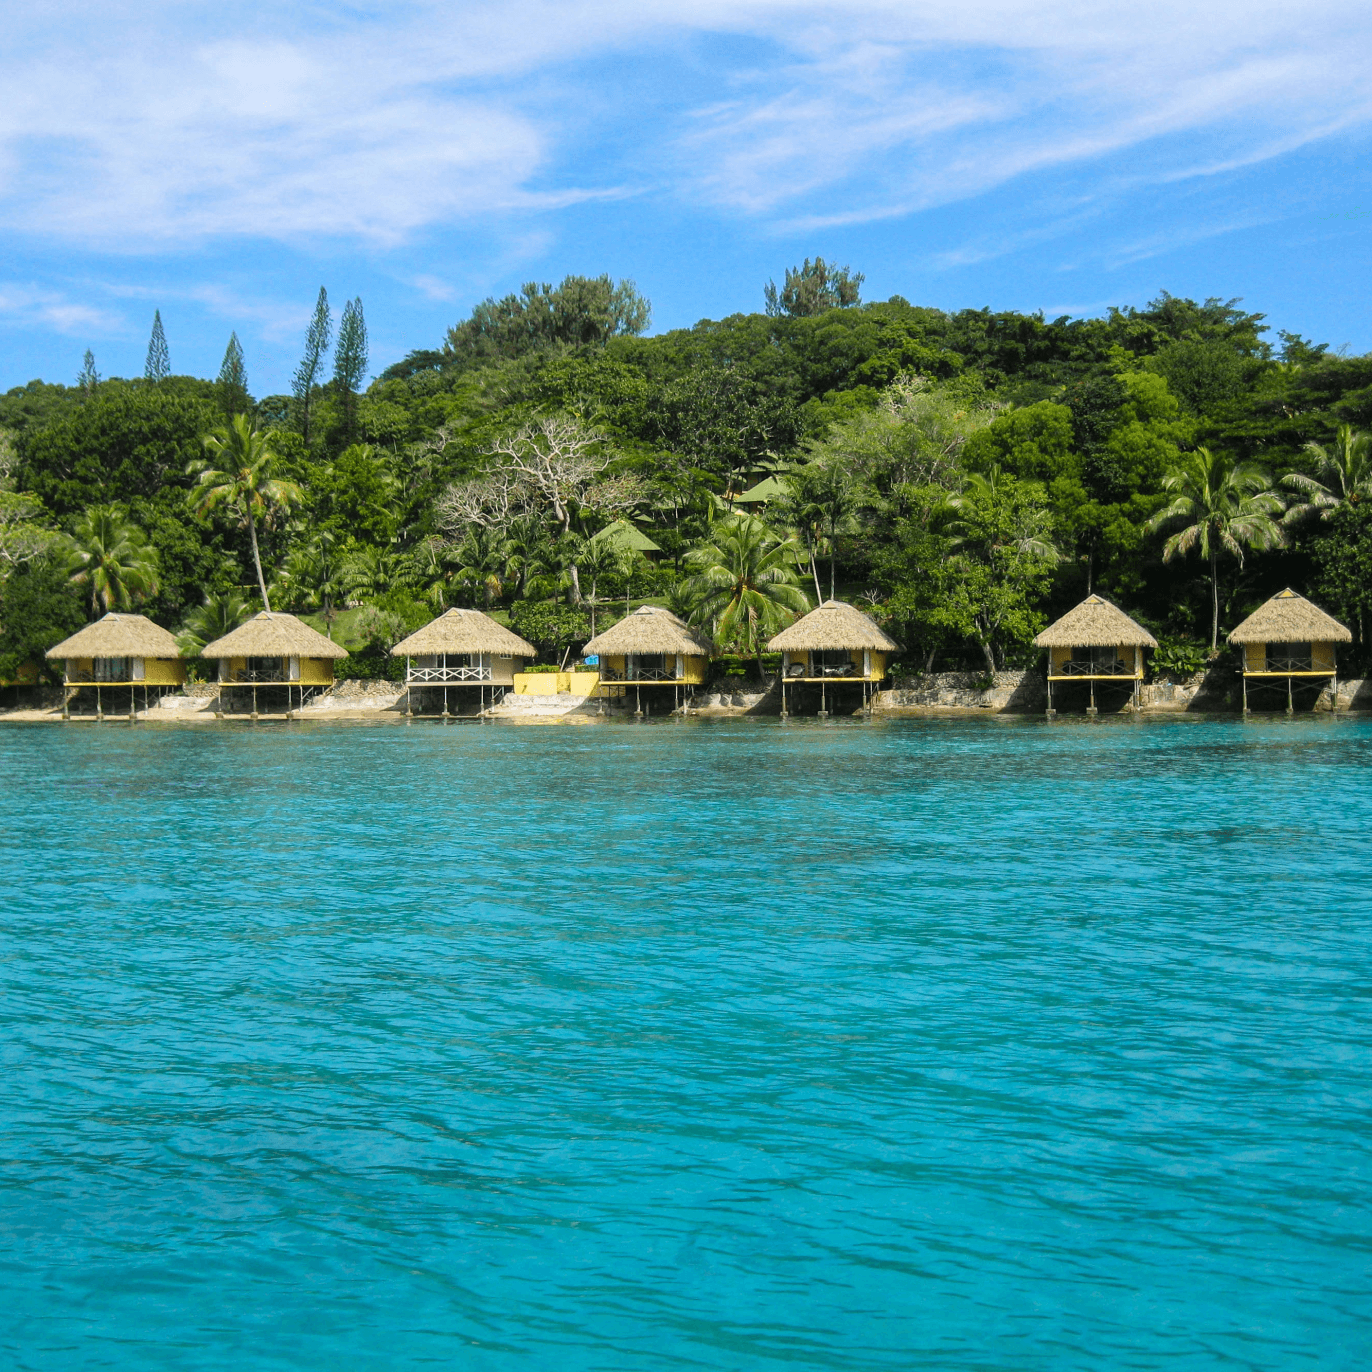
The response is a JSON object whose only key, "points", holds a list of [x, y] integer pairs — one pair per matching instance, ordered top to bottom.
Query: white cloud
{"points": [[164, 124], [32, 306]]}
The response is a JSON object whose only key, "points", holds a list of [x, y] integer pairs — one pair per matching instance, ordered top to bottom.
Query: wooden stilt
{"points": [[1245, 693], [783, 694], [823, 699], [254, 700], [445, 700], [638, 700], [1290, 706], [99, 707], [133, 708], [1050, 712]]}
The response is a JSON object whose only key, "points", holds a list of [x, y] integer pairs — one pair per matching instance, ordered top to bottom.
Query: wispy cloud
{"points": [[375, 124], [29, 305]]}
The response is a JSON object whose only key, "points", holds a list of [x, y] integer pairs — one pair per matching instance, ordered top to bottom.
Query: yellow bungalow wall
{"points": [[1129, 653], [1323, 657], [876, 662], [694, 667], [164, 671], [316, 671]]}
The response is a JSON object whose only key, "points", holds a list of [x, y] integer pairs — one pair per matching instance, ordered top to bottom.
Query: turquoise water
{"points": [[967, 1045]]}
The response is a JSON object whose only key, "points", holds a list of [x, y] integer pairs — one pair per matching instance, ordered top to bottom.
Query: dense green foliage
{"points": [[966, 476]]}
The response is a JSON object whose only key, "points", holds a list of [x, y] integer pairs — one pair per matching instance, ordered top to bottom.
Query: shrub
{"points": [[550, 628], [1180, 657]]}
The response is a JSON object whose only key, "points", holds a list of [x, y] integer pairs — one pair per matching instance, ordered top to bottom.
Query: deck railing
{"points": [[1290, 664], [1073, 667], [642, 674], [423, 675]]}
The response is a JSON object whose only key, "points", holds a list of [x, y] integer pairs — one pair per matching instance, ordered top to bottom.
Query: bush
{"points": [[40, 608], [552, 629], [1180, 657]]}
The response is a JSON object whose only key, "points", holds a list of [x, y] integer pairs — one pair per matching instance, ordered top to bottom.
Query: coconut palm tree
{"points": [[1343, 476], [243, 481], [1225, 507], [527, 550], [112, 557], [597, 557], [481, 562], [744, 583], [220, 614]]}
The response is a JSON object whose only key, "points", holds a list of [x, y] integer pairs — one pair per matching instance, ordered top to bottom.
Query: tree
{"points": [[813, 289], [580, 311], [350, 358], [158, 365], [307, 374], [88, 378], [232, 386], [556, 463], [1343, 476], [243, 481], [824, 499], [1225, 506], [1000, 536], [1342, 555], [598, 557], [111, 559], [744, 584], [39, 607], [220, 614]]}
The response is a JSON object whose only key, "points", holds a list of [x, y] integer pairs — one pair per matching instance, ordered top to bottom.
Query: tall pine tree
{"points": [[350, 358], [158, 366], [306, 376], [88, 378], [232, 385]]}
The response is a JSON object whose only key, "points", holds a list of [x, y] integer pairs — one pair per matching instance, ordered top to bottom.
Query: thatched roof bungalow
{"points": [[1288, 640], [1095, 641], [835, 642], [651, 647], [463, 648], [274, 649], [118, 650]]}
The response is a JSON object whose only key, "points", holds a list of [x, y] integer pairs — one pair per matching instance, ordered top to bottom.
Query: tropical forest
{"points": [[962, 477]]}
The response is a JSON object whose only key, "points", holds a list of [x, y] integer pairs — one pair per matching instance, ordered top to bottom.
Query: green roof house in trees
{"points": [[769, 489], [622, 536]]}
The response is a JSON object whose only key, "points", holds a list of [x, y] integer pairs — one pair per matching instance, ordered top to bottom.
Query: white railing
{"points": [[419, 675]]}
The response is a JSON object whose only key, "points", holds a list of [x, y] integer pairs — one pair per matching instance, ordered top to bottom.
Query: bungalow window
{"points": [[1289, 657], [1096, 661], [831, 662], [649, 667], [111, 669], [265, 669]]}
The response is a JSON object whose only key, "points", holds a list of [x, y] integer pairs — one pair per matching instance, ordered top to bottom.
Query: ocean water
{"points": [[682, 1045]]}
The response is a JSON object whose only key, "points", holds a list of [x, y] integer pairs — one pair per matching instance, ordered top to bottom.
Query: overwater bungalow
{"points": [[1094, 642], [1289, 642], [833, 645], [462, 649], [651, 650], [276, 652], [118, 653]]}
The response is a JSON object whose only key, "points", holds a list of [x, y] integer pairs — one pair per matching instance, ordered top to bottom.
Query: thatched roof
{"points": [[624, 536], [1290, 618], [1095, 623], [833, 625], [651, 629], [463, 631], [270, 633], [118, 636]]}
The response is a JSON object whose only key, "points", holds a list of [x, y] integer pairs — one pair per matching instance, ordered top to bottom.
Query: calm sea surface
{"points": [[680, 1045]]}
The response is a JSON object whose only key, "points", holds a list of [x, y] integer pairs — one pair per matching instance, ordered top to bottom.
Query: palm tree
{"points": [[1342, 477], [243, 481], [1225, 506], [527, 549], [597, 557], [113, 558], [481, 562], [368, 572], [744, 583], [220, 614]]}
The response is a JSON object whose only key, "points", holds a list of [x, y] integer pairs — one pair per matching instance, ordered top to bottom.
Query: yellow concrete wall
{"points": [[878, 667], [695, 669], [164, 671], [315, 671], [536, 683]]}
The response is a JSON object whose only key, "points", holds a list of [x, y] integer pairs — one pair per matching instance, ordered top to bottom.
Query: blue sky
{"points": [[223, 161]]}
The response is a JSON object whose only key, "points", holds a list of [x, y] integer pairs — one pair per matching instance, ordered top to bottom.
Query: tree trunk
{"points": [[832, 536], [257, 561], [814, 571], [576, 585], [1214, 602], [986, 652]]}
